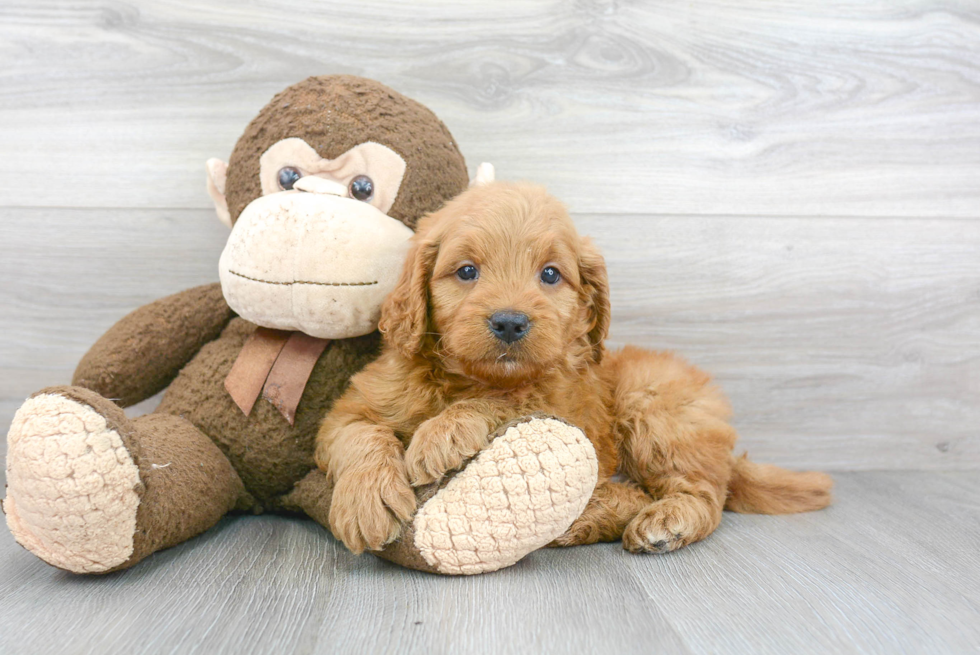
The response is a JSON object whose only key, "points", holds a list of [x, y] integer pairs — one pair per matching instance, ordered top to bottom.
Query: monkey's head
{"points": [[322, 193]]}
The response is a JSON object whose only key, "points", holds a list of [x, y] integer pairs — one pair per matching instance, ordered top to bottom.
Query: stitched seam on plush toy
{"points": [[322, 284]]}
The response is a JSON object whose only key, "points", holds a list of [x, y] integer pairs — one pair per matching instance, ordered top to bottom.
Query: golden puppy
{"points": [[501, 311]]}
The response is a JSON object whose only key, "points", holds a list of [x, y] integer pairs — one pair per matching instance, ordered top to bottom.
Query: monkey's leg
{"points": [[675, 442], [91, 491], [516, 496], [612, 506]]}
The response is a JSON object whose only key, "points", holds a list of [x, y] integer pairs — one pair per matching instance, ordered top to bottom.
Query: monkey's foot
{"points": [[72, 486], [516, 496]]}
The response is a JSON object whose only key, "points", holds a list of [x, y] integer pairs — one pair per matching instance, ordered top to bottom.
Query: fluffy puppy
{"points": [[501, 311]]}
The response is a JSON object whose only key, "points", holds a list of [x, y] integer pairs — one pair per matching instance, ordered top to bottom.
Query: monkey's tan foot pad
{"points": [[72, 486], [516, 496]]}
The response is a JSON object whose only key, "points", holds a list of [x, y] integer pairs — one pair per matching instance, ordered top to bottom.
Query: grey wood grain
{"points": [[786, 107], [843, 343], [891, 568]]}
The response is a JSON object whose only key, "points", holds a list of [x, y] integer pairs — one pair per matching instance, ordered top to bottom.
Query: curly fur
{"points": [[444, 382]]}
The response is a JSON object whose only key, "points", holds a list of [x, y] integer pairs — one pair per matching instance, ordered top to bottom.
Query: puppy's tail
{"points": [[767, 489]]}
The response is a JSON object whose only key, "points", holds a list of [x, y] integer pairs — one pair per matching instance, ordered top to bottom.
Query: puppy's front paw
{"points": [[442, 444], [369, 506], [669, 524]]}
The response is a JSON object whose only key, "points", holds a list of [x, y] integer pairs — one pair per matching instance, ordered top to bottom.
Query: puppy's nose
{"points": [[509, 326]]}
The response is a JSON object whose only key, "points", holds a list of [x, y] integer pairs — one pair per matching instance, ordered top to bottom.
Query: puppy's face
{"points": [[508, 287]]}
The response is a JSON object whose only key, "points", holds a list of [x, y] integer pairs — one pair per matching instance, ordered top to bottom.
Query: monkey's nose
{"points": [[315, 184], [509, 326]]}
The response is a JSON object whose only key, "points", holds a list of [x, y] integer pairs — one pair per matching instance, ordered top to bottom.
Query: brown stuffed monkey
{"points": [[322, 192]]}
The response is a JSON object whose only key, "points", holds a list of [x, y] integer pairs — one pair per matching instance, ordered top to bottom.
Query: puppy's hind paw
{"points": [[669, 524], [651, 539]]}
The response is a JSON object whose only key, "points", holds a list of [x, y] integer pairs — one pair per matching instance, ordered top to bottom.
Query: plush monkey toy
{"points": [[322, 193]]}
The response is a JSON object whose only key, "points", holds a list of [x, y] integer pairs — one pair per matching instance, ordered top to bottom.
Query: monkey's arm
{"points": [[142, 353]]}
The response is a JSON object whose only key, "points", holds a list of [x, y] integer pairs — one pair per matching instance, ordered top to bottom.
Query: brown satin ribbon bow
{"points": [[276, 363]]}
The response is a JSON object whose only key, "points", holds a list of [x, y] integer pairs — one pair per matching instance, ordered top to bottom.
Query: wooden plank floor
{"points": [[893, 567]]}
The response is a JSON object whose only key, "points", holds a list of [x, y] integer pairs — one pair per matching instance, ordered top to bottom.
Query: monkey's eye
{"points": [[288, 176], [361, 188], [467, 273], [550, 275]]}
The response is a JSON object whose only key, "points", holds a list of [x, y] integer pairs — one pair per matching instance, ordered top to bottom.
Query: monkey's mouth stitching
{"points": [[322, 284]]}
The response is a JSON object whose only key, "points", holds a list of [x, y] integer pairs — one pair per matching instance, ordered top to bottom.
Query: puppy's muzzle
{"points": [[509, 326]]}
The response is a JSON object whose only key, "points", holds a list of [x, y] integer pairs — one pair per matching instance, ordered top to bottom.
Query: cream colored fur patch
{"points": [[314, 263], [71, 486], [516, 496]]}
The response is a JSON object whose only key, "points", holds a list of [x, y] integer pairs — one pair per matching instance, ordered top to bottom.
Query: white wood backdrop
{"points": [[786, 192]]}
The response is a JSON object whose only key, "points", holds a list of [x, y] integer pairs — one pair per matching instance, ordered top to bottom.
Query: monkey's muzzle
{"points": [[318, 263]]}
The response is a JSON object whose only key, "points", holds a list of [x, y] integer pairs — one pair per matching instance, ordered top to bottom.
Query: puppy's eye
{"points": [[288, 176], [361, 188], [467, 273], [550, 275]]}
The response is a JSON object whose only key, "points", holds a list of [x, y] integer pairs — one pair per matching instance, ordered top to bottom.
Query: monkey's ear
{"points": [[484, 174], [217, 175]]}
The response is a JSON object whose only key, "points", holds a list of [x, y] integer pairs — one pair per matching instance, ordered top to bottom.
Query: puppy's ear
{"points": [[595, 288], [405, 312]]}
